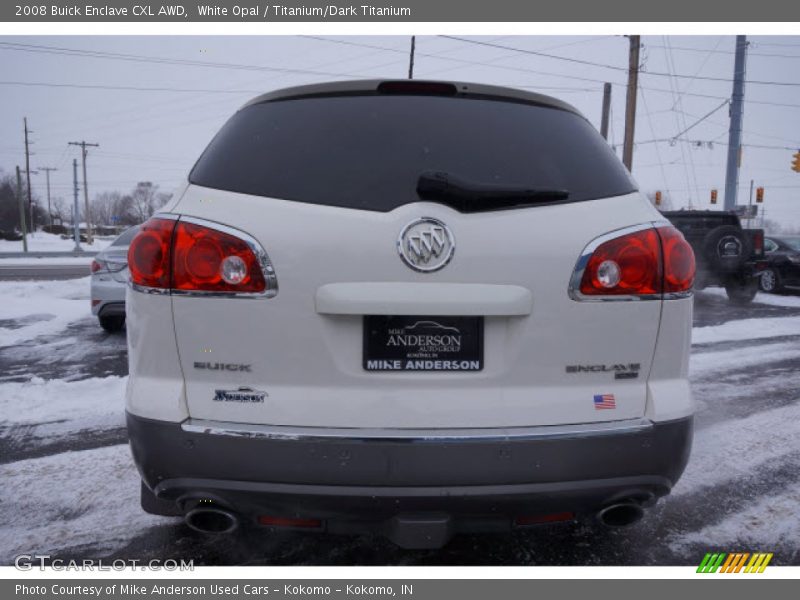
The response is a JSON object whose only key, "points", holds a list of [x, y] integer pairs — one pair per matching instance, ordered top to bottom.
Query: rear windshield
{"points": [[367, 152], [125, 238]]}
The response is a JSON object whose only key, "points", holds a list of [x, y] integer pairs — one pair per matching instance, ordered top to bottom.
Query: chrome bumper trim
{"points": [[460, 435]]}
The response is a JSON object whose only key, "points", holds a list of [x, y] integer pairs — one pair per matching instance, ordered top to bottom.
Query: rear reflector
{"points": [[646, 262], [560, 517], [272, 521]]}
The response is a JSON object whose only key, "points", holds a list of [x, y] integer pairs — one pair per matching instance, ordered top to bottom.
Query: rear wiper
{"points": [[468, 196]]}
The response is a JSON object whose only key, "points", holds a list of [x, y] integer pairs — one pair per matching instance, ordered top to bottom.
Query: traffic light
{"points": [[796, 162], [759, 194], [713, 196], [658, 198]]}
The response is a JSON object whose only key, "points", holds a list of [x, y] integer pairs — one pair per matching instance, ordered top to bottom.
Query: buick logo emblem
{"points": [[426, 244]]}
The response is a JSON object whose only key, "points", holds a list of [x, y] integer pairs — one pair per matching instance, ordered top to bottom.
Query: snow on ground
{"points": [[41, 241], [47, 261], [761, 297], [32, 308], [747, 329], [704, 364], [58, 407], [738, 448], [79, 498], [773, 520]]}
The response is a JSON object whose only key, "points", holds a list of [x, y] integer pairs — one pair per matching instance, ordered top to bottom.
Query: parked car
{"points": [[11, 235], [727, 254], [783, 264], [110, 280], [415, 308]]}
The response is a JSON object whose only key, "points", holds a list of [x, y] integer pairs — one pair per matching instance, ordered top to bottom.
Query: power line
{"points": [[774, 45], [38, 48], [728, 52], [452, 59], [615, 67], [126, 87], [717, 97], [677, 101], [701, 119], [658, 150]]}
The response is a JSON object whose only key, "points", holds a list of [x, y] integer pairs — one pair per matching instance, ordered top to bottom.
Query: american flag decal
{"points": [[604, 401]]}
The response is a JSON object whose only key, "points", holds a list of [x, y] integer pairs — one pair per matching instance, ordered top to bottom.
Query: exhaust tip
{"points": [[621, 515], [211, 520]]}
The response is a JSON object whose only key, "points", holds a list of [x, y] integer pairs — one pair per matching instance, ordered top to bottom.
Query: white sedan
{"points": [[109, 280]]}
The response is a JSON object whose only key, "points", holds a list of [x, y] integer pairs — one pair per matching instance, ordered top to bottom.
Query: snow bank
{"points": [[45, 307], [747, 329], [58, 407], [87, 498]]}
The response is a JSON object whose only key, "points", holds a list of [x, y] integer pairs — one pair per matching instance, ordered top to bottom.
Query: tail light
{"points": [[758, 242], [149, 254], [195, 257], [642, 262], [679, 264], [97, 265]]}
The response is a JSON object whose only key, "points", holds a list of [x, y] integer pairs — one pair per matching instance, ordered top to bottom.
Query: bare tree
{"points": [[144, 199], [61, 210]]}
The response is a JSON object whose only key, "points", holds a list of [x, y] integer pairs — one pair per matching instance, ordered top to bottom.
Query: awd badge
{"points": [[243, 394]]}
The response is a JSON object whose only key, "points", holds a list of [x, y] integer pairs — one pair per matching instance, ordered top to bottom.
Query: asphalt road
{"points": [[34, 271], [717, 505]]}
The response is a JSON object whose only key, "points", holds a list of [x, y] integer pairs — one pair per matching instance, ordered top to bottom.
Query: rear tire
{"points": [[770, 281], [741, 292], [112, 323]]}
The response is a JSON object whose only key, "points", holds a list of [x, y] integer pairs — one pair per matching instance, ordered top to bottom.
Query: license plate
{"points": [[413, 343]]}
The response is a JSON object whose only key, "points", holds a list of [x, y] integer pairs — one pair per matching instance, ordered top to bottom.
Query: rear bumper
{"points": [[496, 474]]}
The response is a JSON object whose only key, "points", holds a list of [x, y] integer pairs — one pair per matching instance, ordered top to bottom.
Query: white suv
{"points": [[410, 307]]}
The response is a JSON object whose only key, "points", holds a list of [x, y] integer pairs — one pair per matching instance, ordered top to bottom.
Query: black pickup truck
{"points": [[726, 254]]}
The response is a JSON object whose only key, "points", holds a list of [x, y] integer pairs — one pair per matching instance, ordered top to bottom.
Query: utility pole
{"points": [[411, 58], [630, 104], [606, 110], [735, 129], [84, 152], [28, 171], [49, 210], [21, 212], [76, 227]]}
